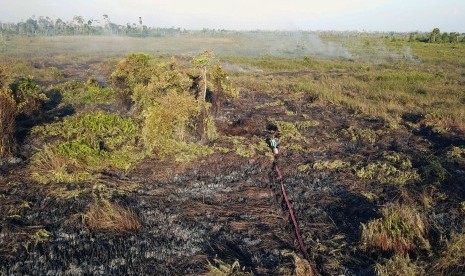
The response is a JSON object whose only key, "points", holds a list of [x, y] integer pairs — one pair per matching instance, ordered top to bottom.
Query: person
{"points": [[274, 143]]}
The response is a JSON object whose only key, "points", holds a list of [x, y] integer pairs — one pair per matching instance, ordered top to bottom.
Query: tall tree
{"points": [[434, 35]]}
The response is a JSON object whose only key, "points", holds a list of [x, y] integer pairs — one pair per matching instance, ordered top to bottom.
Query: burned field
{"points": [[347, 173]]}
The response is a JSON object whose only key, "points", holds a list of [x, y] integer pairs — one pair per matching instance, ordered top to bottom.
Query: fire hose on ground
{"points": [[291, 213]]}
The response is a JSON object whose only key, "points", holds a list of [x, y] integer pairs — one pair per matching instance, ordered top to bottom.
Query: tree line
{"points": [[46, 26], [435, 36]]}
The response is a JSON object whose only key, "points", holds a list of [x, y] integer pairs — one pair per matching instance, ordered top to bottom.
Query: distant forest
{"points": [[46, 26]]}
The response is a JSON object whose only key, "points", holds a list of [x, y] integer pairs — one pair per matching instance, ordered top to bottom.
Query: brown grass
{"points": [[8, 114], [111, 217], [401, 229], [452, 258], [399, 265], [302, 266]]}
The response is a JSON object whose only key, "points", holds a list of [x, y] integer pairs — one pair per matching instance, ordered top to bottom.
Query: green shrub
{"points": [[134, 70], [165, 78], [80, 93], [27, 95], [98, 95], [170, 123], [289, 132], [84, 144], [249, 147], [455, 154], [432, 170]]}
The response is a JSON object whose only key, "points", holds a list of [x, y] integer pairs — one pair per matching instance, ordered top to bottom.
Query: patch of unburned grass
{"points": [[288, 132], [356, 134], [249, 147], [456, 154], [49, 165], [324, 165], [393, 168], [111, 217], [401, 229], [452, 257], [399, 265], [302, 266], [221, 268]]}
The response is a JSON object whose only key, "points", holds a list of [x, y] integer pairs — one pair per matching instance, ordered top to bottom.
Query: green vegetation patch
{"points": [[80, 93], [300, 125], [288, 131], [356, 134], [84, 144], [249, 147], [456, 154], [324, 165], [393, 168]]}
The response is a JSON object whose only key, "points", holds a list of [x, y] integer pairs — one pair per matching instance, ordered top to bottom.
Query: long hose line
{"points": [[294, 221]]}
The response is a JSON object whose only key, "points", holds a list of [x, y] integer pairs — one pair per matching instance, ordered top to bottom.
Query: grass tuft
{"points": [[111, 217], [401, 229], [452, 257], [399, 265], [221, 268]]}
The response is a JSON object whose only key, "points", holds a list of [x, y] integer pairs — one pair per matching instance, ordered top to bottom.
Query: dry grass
{"points": [[8, 114], [49, 166], [111, 217], [401, 229], [452, 258], [399, 265], [302, 266], [220, 268]]}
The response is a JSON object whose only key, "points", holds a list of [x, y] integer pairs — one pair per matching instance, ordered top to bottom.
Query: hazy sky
{"points": [[369, 15]]}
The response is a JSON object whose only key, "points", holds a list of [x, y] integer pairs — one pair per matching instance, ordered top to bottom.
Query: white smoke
{"points": [[317, 47], [241, 68]]}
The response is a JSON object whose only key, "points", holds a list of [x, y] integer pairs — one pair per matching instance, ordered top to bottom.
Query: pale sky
{"points": [[339, 15]]}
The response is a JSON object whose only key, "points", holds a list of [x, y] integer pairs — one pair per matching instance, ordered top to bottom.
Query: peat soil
{"points": [[221, 206]]}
